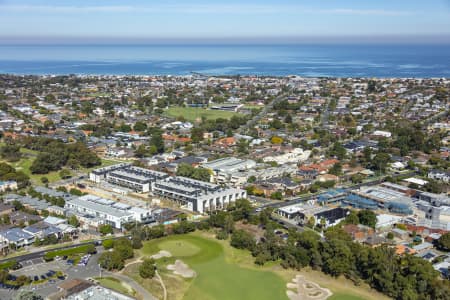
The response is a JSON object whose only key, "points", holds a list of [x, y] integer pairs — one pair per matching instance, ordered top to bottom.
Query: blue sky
{"points": [[265, 20]]}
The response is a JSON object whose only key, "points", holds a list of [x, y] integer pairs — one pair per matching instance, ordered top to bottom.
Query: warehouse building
{"points": [[197, 195], [381, 197]]}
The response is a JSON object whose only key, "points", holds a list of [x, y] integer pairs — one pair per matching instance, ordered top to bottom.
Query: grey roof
{"points": [[46, 191], [106, 209], [15, 234]]}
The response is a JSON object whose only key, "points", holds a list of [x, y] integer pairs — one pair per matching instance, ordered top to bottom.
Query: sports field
{"points": [[193, 114], [226, 273]]}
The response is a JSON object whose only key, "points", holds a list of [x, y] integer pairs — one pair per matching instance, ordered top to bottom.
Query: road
{"points": [[253, 121], [39, 254]]}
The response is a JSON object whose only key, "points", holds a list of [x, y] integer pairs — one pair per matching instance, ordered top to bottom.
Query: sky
{"points": [[34, 21]]}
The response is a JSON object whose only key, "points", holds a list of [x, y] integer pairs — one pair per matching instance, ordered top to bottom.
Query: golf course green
{"points": [[227, 273], [217, 279]]}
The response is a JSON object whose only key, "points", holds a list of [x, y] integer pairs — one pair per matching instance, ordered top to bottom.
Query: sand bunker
{"points": [[161, 254], [180, 268], [302, 289]]}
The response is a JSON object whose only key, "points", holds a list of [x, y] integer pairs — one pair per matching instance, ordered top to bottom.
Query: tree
{"points": [[288, 119], [140, 126], [197, 134], [276, 140], [157, 141], [242, 146], [141, 151], [338, 151], [10, 152], [380, 161], [336, 169], [186, 170], [65, 173], [357, 178], [44, 180], [75, 192], [276, 195], [367, 217], [352, 218], [73, 221], [105, 229], [242, 240], [443, 242], [108, 244], [124, 247], [338, 258], [111, 260], [148, 268], [3, 275], [27, 295]]}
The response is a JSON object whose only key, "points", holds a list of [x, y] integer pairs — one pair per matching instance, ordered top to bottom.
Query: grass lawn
{"points": [[192, 113], [81, 250], [8, 264], [224, 272], [116, 285], [340, 296]]}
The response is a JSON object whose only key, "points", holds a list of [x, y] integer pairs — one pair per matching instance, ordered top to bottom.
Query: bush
{"points": [[105, 229], [221, 235], [242, 240], [108, 244], [147, 269]]}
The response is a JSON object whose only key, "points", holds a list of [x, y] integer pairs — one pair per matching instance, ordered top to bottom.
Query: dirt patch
{"points": [[254, 230], [161, 254], [182, 269], [302, 289]]}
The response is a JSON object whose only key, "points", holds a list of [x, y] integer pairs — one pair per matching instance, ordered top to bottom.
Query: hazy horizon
{"points": [[200, 21]]}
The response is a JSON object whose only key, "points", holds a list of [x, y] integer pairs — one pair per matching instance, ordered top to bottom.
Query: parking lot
{"points": [[37, 267]]}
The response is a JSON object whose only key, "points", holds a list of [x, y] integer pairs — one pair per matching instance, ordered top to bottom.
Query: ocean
{"points": [[419, 61]]}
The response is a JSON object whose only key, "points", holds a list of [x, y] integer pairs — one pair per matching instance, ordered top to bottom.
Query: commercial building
{"points": [[223, 169], [197, 195], [381, 197], [106, 211], [433, 211], [302, 213]]}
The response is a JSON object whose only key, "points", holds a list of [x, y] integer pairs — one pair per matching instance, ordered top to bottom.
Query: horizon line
{"points": [[227, 40]]}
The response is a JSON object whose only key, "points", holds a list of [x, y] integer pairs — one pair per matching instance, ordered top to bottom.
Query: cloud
{"points": [[195, 9]]}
